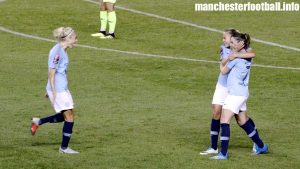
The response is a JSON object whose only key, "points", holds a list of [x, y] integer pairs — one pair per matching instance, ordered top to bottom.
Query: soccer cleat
{"points": [[99, 34], [109, 36], [34, 125], [254, 148], [68, 150], [263, 150], [209, 151], [220, 156]]}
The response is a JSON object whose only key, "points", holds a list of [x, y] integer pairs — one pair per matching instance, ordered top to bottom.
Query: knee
{"points": [[102, 7], [110, 7], [110, 10], [216, 112], [69, 115], [216, 115], [226, 116], [240, 120]]}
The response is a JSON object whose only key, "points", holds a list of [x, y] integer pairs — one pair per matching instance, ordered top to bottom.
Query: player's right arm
{"points": [[246, 55], [54, 60], [51, 80]]}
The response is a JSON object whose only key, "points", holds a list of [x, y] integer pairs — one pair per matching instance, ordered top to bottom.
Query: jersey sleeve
{"points": [[221, 53], [54, 59], [231, 64]]}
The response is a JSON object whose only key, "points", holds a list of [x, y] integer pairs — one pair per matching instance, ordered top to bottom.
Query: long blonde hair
{"points": [[62, 32]]}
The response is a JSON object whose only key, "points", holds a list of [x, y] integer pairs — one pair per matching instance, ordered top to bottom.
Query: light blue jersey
{"points": [[224, 53], [59, 60], [238, 77]]}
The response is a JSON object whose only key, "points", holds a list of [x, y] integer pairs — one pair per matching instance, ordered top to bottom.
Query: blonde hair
{"points": [[62, 32]]}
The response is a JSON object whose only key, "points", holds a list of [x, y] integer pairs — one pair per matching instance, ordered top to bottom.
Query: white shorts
{"points": [[110, 1], [220, 94], [63, 101], [235, 103]]}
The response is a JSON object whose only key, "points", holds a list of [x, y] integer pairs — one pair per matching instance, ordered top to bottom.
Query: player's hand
{"points": [[54, 96]]}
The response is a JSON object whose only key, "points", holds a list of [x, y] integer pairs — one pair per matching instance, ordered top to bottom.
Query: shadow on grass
{"points": [[45, 143]]}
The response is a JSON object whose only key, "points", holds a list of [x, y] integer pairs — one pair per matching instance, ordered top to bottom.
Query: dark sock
{"points": [[104, 32], [112, 34], [56, 118], [252, 123], [67, 132], [214, 133], [253, 134], [225, 136]]}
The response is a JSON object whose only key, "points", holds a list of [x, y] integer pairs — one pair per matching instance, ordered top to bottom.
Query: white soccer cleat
{"points": [[99, 34], [110, 36], [34, 125], [254, 148], [68, 150], [209, 151], [220, 156]]}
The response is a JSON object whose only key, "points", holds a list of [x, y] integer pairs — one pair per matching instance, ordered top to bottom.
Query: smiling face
{"points": [[226, 39]]}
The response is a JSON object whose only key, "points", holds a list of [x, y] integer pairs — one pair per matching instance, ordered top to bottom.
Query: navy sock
{"points": [[56, 118], [252, 123], [67, 133], [214, 133], [253, 134], [225, 136]]}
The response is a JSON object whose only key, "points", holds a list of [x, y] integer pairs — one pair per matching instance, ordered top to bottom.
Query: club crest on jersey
{"points": [[56, 59]]}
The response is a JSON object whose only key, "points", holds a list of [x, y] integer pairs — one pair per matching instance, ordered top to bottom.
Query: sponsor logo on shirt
{"points": [[56, 59]]}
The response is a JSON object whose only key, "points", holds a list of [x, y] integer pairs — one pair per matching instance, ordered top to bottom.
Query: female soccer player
{"points": [[107, 14], [57, 87], [221, 91], [235, 102]]}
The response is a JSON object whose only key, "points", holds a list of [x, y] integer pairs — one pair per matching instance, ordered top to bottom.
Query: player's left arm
{"points": [[245, 55]]}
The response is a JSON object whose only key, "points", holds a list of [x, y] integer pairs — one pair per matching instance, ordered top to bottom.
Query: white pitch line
{"points": [[197, 26], [136, 53]]}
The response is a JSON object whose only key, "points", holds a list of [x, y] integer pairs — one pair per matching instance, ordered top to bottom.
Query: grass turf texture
{"points": [[137, 112]]}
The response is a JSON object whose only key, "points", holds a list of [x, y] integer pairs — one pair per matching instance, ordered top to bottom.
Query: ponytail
{"points": [[247, 40]]}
